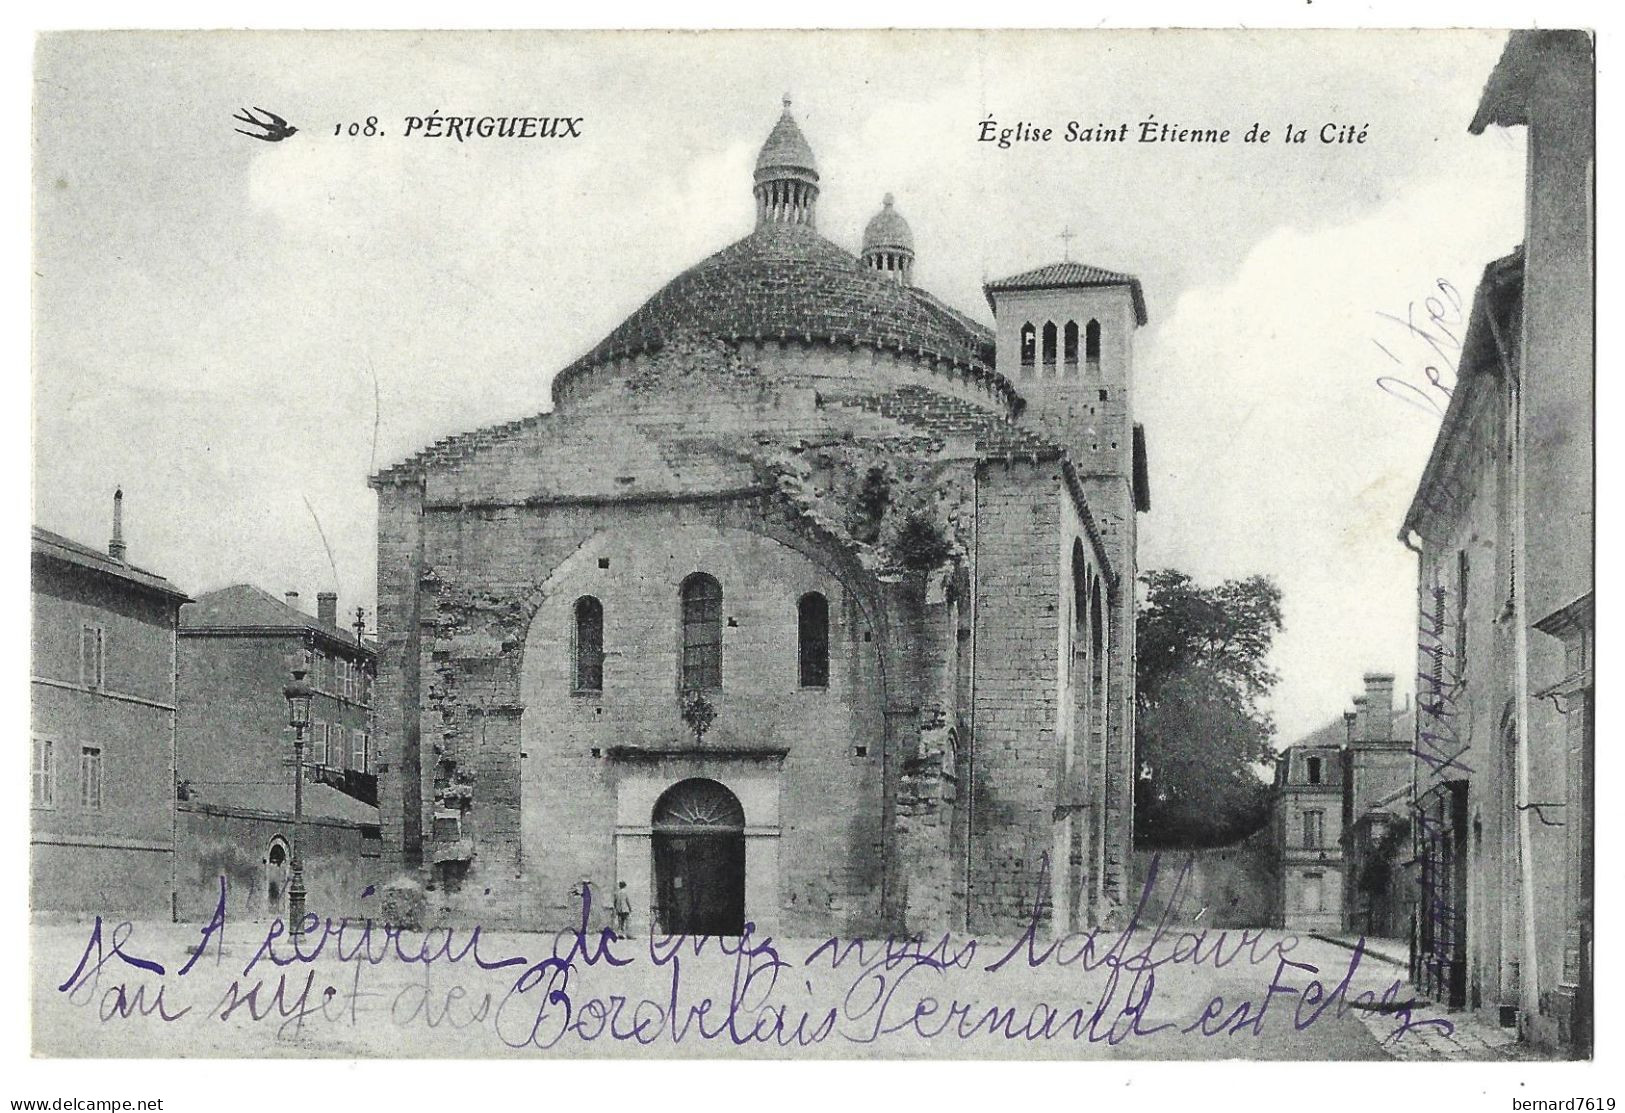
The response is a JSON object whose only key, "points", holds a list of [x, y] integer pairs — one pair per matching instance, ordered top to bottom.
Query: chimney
{"points": [[115, 547], [291, 598], [327, 607], [1379, 701], [1361, 715], [1349, 725]]}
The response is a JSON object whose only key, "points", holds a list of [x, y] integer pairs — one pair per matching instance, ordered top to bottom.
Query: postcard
{"points": [[813, 545]]}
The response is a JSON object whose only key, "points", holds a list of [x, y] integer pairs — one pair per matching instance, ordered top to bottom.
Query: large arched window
{"points": [[1069, 342], [1091, 342], [1049, 343], [1029, 344], [812, 626], [702, 632], [589, 645]]}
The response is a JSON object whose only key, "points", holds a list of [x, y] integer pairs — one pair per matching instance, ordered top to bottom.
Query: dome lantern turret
{"points": [[786, 179], [888, 244]]}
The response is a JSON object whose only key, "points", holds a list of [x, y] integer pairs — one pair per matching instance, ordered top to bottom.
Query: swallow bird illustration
{"points": [[274, 129]]}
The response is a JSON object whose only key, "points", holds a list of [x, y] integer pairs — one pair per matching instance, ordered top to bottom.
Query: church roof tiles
{"points": [[1059, 275], [787, 282]]}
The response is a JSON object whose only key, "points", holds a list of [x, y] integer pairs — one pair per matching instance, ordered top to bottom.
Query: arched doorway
{"points": [[699, 859], [276, 874]]}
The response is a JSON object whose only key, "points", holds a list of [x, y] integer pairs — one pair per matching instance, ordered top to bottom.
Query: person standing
{"points": [[623, 910]]}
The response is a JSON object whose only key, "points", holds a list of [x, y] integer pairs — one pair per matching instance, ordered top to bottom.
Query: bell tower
{"points": [[1064, 338]]}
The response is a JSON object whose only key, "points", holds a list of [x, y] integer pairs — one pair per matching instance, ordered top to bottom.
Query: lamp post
{"points": [[298, 694]]}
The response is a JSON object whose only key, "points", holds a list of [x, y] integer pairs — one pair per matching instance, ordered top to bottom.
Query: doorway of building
{"points": [[699, 859], [276, 874]]}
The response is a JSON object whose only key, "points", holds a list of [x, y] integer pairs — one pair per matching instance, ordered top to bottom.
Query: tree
{"points": [[1200, 728]]}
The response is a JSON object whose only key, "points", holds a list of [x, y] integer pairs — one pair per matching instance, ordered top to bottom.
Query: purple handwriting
{"points": [[1439, 335], [748, 992]]}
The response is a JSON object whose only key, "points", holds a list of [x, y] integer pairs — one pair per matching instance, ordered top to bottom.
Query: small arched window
{"points": [[1049, 342], [1091, 342], [1029, 344], [812, 625], [702, 632], [589, 645]]}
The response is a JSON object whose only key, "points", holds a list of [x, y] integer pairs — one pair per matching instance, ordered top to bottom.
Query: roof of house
{"points": [[1509, 89], [1056, 276], [1481, 351], [53, 546], [244, 607], [1335, 732], [321, 801]]}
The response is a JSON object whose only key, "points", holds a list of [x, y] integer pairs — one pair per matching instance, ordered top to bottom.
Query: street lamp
{"points": [[298, 694]]}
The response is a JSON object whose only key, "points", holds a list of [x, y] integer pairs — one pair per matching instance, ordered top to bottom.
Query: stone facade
{"points": [[1502, 522], [806, 599], [234, 755], [1338, 792], [102, 809], [1307, 822]]}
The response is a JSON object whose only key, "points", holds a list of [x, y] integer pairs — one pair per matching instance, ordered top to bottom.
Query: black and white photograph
{"points": [[812, 545]]}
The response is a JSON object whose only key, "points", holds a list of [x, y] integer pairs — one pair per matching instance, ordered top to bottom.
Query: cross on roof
{"points": [[1066, 237]]}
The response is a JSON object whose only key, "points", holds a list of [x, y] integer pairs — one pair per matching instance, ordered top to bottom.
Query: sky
{"points": [[239, 332]]}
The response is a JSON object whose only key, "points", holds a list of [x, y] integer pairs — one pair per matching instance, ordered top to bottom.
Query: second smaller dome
{"points": [[888, 230]]}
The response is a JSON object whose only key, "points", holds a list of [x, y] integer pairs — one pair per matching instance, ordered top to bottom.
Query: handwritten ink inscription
{"points": [[1435, 341], [1142, 985]]}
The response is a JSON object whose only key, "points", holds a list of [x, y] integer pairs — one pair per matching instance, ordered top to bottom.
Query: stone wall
{"points": [[341, 860], [1216, 887]]}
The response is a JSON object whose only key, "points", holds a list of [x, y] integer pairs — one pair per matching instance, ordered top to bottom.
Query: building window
{"points": [[1069, 342], [1091, 342], [1049, 343], [1029, 344], [812, 625], [702, 632], [589, 645], [92, 656], [318, 742], [358, 750], [366, 752], [1313, 766], [44, 773], [90, 778], [1313, 825], [1313, 894]]}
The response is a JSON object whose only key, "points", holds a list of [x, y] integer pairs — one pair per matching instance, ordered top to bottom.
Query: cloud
{"points": [[1274, 450]]}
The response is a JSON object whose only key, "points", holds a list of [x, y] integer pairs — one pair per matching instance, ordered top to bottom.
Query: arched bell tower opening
{"points": [[699, 859]]}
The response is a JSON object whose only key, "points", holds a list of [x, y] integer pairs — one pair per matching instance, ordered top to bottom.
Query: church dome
{"points": [[888, 229], [787, 282]]}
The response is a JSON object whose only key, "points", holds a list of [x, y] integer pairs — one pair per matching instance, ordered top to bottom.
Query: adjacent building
{"points": [[1502, 522], [809, 604], [234, 765], [1335, 791], [102, 813], [1307, 823]]}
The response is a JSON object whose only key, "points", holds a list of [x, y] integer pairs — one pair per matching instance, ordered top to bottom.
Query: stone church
{"points": [[809, 604]]}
